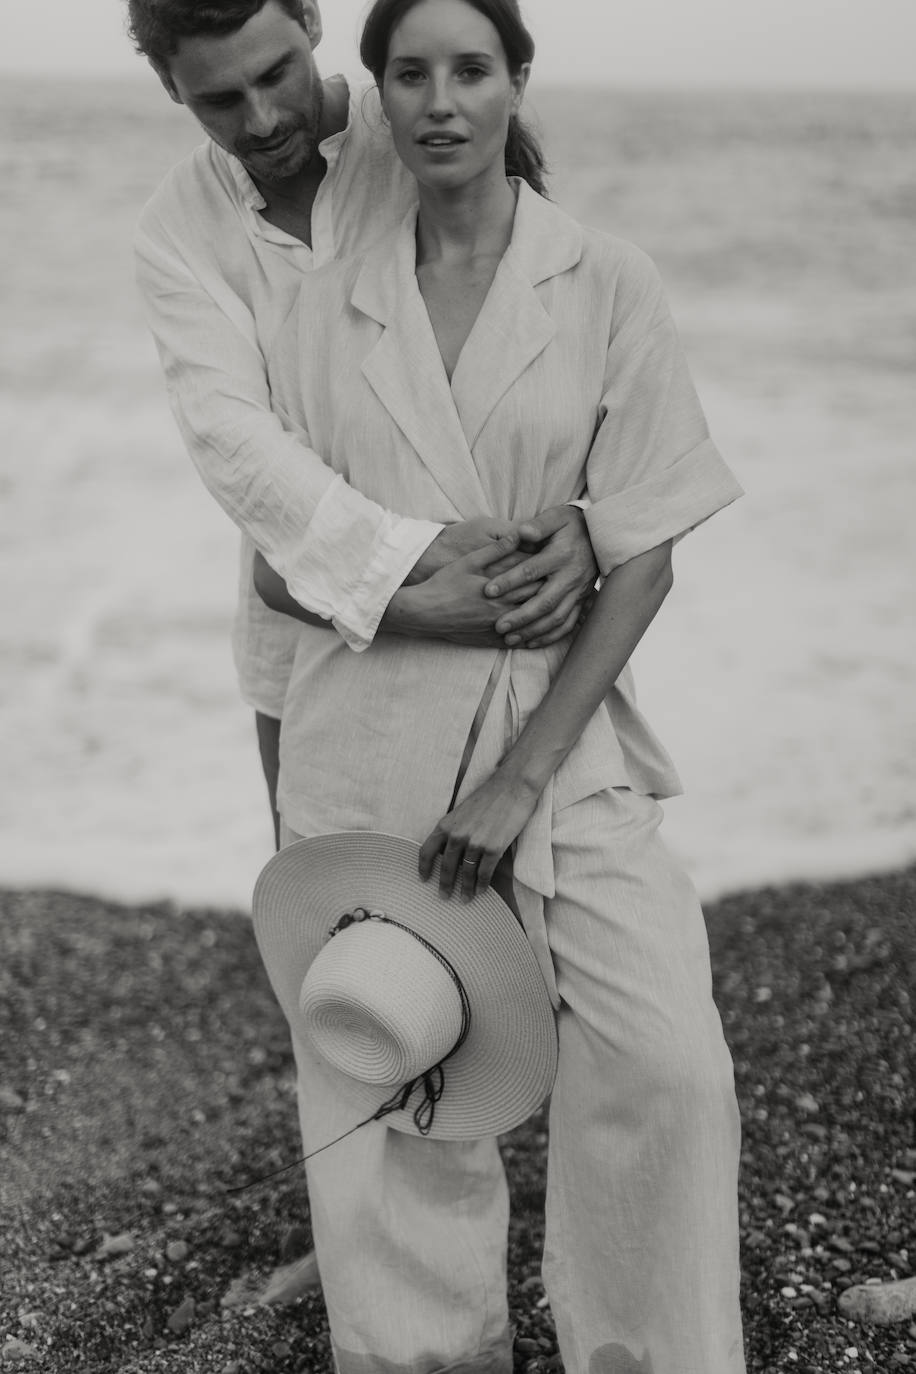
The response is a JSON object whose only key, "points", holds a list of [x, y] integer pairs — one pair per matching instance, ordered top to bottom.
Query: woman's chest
{"points": [[454, 298], [518, 417]]}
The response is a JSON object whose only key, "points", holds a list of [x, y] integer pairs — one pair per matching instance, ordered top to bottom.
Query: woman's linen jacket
{"points": [[572, 383]]}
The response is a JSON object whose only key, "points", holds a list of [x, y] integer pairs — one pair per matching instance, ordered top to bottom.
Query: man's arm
{"points": [[342, 556]]}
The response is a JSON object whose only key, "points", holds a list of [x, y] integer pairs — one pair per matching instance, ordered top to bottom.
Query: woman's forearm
{"points": [[273, 591], [624, 608], [473, 836]]}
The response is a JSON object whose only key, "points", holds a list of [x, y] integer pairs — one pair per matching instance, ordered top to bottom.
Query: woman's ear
{"points": [[519, 82]]}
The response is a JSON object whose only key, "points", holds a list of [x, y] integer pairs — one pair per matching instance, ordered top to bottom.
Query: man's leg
{"points": [[268, 728], [641, 1255], [298, 1274]]}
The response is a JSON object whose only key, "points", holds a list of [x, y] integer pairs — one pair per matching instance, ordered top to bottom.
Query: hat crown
{"points": [[378, 1004]]}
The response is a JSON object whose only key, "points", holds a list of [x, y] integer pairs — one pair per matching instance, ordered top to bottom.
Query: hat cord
{"points": [[432, 1079]]}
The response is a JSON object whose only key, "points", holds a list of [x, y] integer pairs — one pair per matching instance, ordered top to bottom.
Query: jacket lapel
{"points": [[514, 327], [405, 370], [442, 422]]}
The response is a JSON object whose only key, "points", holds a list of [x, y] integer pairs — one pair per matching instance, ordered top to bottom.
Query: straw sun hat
{"points": [[433, 1011]]}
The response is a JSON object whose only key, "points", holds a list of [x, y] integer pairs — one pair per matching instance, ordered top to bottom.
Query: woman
{"points": [[493, 357]]}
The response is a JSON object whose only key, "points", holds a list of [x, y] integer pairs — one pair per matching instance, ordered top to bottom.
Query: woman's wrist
{"points": [[404, 613], [526, 777]]}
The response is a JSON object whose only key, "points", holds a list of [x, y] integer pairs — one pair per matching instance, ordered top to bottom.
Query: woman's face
{"points": [[448, 94]]}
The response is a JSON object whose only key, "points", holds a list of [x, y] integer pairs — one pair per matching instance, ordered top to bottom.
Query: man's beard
{"points": [[262, 165]]}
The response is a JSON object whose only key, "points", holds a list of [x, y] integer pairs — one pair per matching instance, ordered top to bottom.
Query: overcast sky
{"points": [[816, 43]]}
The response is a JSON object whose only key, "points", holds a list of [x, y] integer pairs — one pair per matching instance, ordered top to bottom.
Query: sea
{"points": [[780, 672]]}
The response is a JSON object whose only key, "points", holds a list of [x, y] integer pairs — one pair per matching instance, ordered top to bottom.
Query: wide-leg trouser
{"points": [[641, 1253]]}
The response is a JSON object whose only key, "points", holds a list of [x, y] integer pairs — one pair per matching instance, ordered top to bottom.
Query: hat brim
{"points": [[507, 1065]]}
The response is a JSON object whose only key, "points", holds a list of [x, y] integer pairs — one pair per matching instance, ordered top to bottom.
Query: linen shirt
{"points": [[217, 280], [572, 383]]}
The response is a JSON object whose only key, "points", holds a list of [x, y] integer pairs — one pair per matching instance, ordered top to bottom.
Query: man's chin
{"points": [[281, 167]]}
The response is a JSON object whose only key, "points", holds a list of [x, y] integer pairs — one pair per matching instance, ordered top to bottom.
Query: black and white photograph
{"points": [[458, 842]]}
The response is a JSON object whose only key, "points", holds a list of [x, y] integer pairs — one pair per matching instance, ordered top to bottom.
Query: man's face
{"points": [[256, 91]]}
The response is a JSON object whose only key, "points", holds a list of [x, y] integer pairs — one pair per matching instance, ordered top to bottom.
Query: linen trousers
{"points": [[641, 1250]]}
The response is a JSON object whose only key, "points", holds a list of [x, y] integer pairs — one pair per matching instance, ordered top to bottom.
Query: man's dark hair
{"points": [[156, 27]]}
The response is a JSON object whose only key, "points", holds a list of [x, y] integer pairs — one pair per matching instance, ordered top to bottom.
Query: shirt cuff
{"points": [[627, 523], [355, 558]]}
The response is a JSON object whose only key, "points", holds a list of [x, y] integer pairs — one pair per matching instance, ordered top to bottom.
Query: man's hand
{"points": [[464, 537], [552, 586], [451, 605]]}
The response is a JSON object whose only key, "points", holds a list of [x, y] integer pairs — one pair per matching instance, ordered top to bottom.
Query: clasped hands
{"points": [[489, 582]]}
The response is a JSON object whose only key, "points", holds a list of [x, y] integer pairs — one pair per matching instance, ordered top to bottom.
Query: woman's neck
{"points": [[466, 222]]}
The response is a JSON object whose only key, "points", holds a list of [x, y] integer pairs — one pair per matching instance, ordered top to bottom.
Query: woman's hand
{"points": [[473, 838]]}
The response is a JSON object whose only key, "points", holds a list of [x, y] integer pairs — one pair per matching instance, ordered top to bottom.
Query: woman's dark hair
{"points": [[156, 27], [524, 157]]}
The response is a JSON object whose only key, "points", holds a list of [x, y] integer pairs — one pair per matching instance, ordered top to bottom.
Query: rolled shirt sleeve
{"points": [[653, 471], [341, 555]]}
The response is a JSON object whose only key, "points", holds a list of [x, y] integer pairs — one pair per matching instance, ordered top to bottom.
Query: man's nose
{"points": [[260, 115]]}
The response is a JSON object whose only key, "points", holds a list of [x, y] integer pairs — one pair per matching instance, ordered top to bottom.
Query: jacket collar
{"points": [[442, 421]]}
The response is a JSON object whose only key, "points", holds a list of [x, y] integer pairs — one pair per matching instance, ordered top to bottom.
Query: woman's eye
{"points": [[473, 73], [410, 75]]}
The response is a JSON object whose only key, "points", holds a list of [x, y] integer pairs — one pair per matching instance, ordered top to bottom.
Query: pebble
{"points": [[11, 1102], [806, 1103], [905, 1176], [842, 1244], [113, 1246], [176, 1251], [884, 1304], [182, 1317], [525, 1346], [18, 1350]]}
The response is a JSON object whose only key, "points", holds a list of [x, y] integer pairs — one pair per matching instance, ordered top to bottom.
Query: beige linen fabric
{"points": [[217, 281], [572, 383], [641, 1257]]}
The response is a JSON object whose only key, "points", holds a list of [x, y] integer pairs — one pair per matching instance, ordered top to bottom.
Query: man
{"points": [[298, 171]]}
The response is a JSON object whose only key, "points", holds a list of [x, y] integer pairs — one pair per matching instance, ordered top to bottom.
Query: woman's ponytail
{"points": [[524, 157]]}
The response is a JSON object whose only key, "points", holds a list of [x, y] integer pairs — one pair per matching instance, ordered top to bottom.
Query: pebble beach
{"points": [[145, 1070]]}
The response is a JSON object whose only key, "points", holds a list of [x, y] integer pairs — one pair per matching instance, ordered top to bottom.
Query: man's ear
{"points": [[311, 18], [166, 79]]}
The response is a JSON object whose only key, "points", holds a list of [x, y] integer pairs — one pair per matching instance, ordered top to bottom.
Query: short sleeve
{"points": [[653, 471]]}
